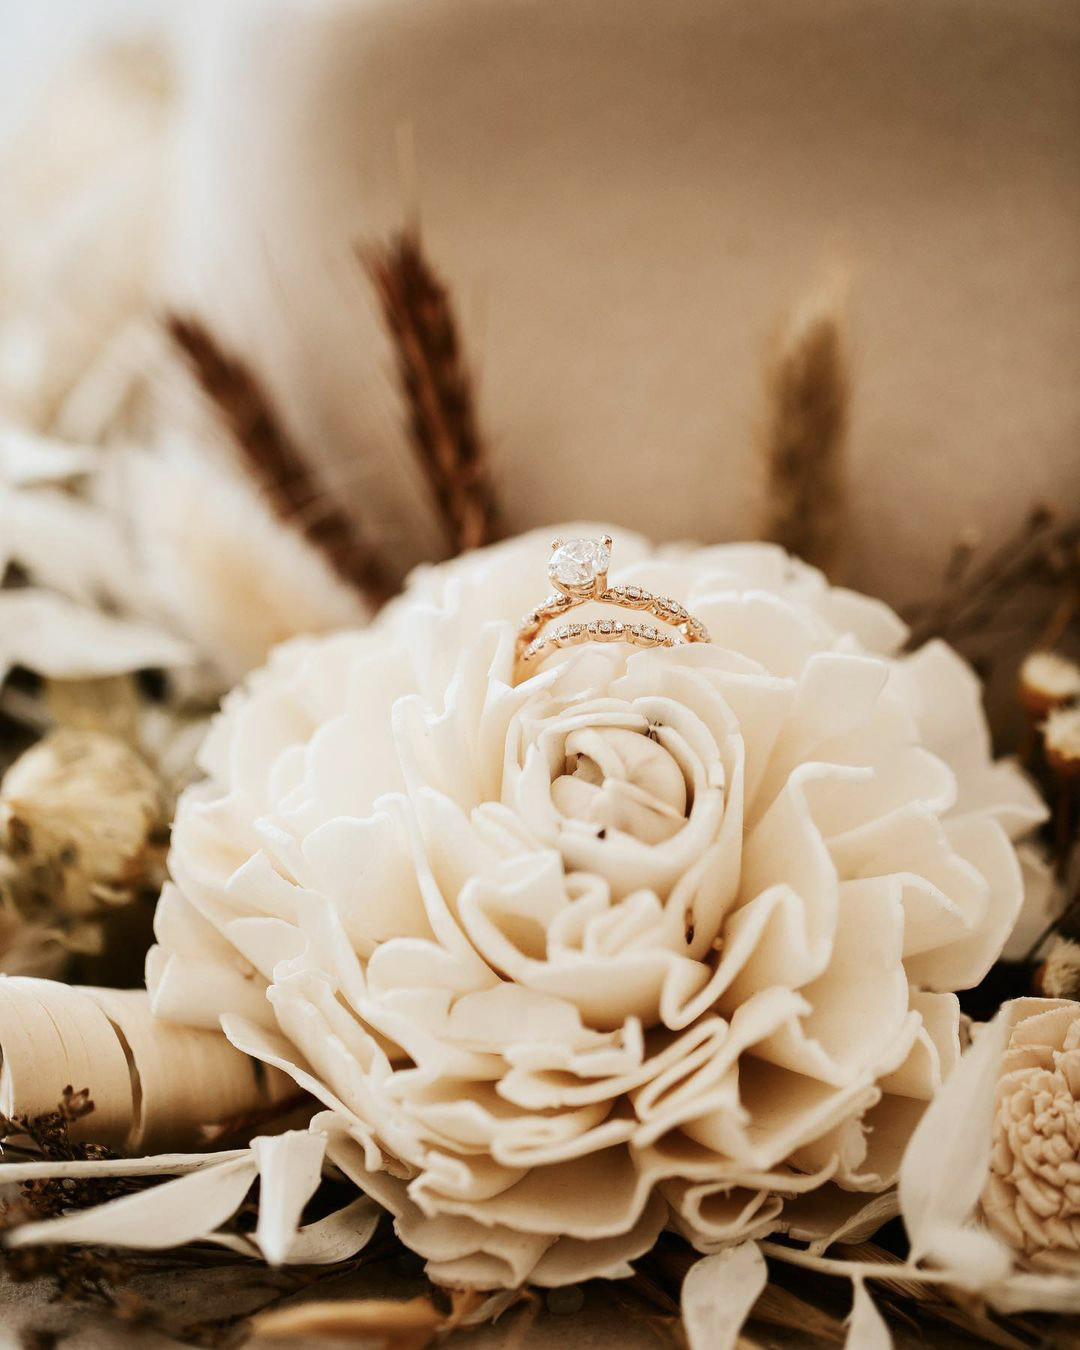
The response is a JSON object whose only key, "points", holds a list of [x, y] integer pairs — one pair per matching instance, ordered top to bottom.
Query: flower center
{"points": [[617, 779]]}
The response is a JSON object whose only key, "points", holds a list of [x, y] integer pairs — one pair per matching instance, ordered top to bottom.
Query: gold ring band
{"points": [[578, 569]]}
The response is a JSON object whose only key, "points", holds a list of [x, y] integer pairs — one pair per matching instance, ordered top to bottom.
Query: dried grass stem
{"points": [[435, 379], [804, 434], [276, 462]]}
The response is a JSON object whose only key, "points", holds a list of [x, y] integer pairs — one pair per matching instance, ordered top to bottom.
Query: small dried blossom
{"points": [[1048, 681], [1061, 737], [81, 826], [1060, 975], [76, 1272]]}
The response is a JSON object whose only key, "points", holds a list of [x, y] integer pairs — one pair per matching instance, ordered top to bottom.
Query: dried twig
{"points": [[435, 379], [804, 434], [276, 462], [1043, 550], [238, 1132], [85, 1273]]}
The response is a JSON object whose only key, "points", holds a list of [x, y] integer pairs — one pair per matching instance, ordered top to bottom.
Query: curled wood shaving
{"points": [[156, 1085]]}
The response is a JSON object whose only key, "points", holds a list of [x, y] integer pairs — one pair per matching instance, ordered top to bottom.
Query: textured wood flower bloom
{"points": [[655, 937], [1032, 1198]]}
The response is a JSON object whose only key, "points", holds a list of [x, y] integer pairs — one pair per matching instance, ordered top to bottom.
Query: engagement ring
{"points": [[578, 569]]}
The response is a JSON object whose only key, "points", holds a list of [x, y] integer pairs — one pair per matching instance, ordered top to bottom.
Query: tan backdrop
{"points": [[626, 194]]}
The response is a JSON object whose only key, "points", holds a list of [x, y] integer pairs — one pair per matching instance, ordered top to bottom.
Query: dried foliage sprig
{"points": [[436, 381], [803, 434], [276, 462], [1044, 551], [79, 1273]]}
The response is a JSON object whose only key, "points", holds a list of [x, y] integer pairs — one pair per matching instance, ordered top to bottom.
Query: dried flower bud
{"points": [[1048, 681], [1061, 737], [80, 814], [1059, 975]]}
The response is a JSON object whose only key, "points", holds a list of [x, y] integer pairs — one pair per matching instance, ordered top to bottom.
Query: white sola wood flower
{"points": [[655, 937], [1032, 1195]]}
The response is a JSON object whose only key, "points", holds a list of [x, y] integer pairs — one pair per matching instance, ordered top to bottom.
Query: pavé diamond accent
{"points": [[578, 570]]}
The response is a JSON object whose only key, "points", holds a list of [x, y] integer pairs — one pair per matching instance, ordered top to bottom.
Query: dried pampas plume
{"points": [[438, 392], [804, 433], [276, 463]]}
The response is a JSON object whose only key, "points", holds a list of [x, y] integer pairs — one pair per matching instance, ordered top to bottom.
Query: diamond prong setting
{"points": [[579, 567], [578, 571]]}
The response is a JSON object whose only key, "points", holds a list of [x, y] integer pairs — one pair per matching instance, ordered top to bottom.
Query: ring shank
{"points": [[533, 644]]}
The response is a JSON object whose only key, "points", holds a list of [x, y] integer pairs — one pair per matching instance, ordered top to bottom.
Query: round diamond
{"points": [[578, 562]]}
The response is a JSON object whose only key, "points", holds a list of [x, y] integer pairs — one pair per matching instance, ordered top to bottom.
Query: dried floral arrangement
{"points": [[646, 978]]}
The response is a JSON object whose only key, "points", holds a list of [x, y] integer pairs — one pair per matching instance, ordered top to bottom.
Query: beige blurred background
{"points": [[626, 196]]}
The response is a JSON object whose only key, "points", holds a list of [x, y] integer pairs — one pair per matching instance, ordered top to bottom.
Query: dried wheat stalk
{"points": [[435, 379], [803, 435], [276, 463]]}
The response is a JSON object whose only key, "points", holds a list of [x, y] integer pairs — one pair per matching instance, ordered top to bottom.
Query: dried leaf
{"points": [[947, 1161], [290, 1168], [205, 1192], [177, 1212], [862, 1221], [337, 1237], [1024, 1292], [718, 1294], [351, 1319], [866, 1329]]}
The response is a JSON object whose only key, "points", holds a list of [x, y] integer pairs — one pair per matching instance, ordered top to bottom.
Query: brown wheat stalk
{"points": [[435, 380], [804, 433], [276, 462]]}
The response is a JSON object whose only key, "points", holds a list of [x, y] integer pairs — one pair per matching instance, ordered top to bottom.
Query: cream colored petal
{"points": [[945, 695], [983, 845], [290, 1169], [944, 1171], [170, 1215], [569, 1260], [718, 1294], [866, 1329]]}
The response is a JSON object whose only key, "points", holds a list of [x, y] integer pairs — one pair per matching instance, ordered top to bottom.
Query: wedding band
{"points": [[578, 569]]}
